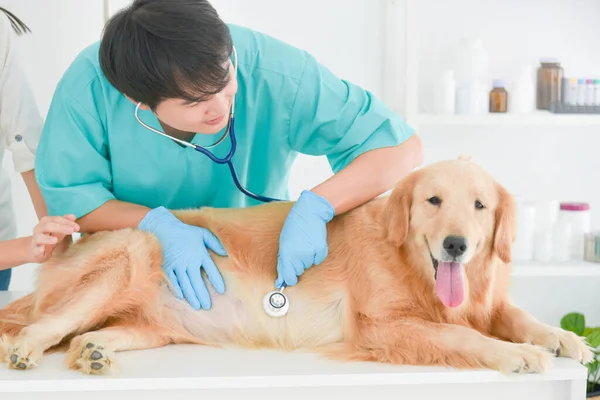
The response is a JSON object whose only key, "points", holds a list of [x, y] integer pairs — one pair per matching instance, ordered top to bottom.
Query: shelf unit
{"points": [[401, 91], [542, 119], [573, 268]]}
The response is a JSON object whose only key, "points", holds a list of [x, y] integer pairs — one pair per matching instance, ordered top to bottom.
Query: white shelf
{"points": [[533, 119], [555, 269]]}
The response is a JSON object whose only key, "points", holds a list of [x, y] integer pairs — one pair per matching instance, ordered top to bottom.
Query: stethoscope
{"points": [[203, 149], [275, 303]]}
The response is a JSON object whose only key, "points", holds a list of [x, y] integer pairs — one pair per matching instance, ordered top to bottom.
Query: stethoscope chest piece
{"points": [[275, 303]]}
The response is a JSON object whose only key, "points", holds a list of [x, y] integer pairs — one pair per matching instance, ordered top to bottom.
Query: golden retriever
{"points": [[417, 277]]}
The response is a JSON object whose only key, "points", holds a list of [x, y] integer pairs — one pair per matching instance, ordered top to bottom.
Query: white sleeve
{"points": [[20, 120]]}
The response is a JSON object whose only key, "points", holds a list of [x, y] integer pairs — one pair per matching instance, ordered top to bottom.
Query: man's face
{"points": [[207, 117]]}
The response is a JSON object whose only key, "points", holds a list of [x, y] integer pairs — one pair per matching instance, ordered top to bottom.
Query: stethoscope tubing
{"points": [[230, 130]]}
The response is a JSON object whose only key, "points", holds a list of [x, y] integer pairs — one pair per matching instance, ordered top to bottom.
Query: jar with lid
{"points": [[549, 79], [498, 97], [577, 215]]}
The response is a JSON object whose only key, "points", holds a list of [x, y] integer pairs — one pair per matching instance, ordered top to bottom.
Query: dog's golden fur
{"points": [[373, 298]]}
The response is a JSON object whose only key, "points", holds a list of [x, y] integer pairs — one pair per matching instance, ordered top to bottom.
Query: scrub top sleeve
{"points": [[336, 118], [20, 120], [72, 164]]}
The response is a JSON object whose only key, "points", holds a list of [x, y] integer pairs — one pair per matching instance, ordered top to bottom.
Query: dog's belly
{"points": [[237, 318]]}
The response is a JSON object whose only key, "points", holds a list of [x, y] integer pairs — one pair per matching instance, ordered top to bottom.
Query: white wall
{"points": [[349, 40]]}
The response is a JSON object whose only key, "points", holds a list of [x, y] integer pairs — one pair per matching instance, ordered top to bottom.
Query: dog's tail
{"points": [[16, 316]]}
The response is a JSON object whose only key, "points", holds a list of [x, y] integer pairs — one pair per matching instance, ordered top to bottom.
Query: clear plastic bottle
{"points": [[549, 80], [445, 93], [498, 97]]}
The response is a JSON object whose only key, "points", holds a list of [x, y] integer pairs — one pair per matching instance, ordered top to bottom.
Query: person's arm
{"points": [[368, 146], [74, 172], [370, 174], [76, 178], [34, 192], [114, 214], [47, 236], [14, 252]]}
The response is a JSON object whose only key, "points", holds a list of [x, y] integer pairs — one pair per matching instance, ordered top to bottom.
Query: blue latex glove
{"points": [[303, 239], [185, 253]]}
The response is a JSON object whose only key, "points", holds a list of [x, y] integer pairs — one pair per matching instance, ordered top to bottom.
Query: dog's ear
{"points": [[396, 213], [505, 230]]}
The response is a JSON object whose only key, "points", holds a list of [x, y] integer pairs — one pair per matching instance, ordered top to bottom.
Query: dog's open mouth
{"points": [[449, 281]]}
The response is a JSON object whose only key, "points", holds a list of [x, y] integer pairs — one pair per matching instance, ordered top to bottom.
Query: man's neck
{"points": [[176, 133]]}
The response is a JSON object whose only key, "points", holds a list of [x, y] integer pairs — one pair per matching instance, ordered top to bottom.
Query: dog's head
{"points": [[448, 215]]}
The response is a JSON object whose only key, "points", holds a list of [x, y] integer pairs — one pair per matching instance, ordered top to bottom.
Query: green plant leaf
{"points": [[574, 322], [587, 331], [593, 337], [592, 369]]}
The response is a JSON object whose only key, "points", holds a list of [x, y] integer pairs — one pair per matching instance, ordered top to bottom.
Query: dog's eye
{"points": [[436, 201], [479, 205]]}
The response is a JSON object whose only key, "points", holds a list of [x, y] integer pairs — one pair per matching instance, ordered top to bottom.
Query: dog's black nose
{"points": [[455, 245]]}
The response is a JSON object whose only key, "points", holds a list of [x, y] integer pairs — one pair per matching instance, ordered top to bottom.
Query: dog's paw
{"points": [[563, 344], [24, 354], [90, 358], [520, 358]]}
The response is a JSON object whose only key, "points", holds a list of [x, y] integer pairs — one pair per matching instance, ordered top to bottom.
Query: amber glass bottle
{"points": [[549, 78], [498, 97]]}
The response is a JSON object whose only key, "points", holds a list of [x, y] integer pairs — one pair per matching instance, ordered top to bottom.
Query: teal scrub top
{"points": [[92, 148]]}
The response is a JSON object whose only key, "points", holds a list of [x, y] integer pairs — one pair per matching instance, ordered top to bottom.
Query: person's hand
{"points": [[50, 233], [303, 239], [185, 254]]}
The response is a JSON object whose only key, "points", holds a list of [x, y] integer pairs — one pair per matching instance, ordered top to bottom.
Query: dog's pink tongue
{"points": [[449, 283]]}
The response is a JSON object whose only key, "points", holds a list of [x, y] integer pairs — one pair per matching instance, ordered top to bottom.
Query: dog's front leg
{"points": [[516, 325], [420, 342]]}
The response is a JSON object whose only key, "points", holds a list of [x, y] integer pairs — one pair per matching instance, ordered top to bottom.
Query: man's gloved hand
{"points": [[303, 239], [185, 253]]}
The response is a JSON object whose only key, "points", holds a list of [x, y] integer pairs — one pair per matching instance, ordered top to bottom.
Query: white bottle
{"points": [[471, 74], [444, 93], [522, 97], [578, 215], [561, 241]]}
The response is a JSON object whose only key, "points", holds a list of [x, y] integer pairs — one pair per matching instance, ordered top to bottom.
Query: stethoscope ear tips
{"points": [[275, 303]]}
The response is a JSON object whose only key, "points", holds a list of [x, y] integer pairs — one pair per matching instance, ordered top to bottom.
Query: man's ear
{"points": [[142, 106], [396, 213], [506, 225]]}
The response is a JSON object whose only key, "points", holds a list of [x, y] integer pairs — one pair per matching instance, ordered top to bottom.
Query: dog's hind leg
{"points": [[115, 282], [93, 352]]}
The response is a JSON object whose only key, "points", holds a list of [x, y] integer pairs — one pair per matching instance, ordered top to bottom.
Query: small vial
{"points": [[572, 92], [581, 92], [589, 92], [597, 92], [498, 97]]}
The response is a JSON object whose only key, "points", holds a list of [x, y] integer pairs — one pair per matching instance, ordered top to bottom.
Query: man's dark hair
{"points": [[18, 26], [155, 50]]}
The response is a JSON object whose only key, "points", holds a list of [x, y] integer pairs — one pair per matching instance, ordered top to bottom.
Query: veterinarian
{"points": [[175, 59], [20, 127]]}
